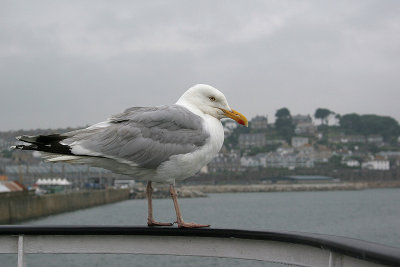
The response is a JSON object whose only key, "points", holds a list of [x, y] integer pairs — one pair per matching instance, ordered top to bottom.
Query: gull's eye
{"points": [[211, 98]]}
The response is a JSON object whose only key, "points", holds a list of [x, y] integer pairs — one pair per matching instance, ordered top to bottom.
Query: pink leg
{"points": [[150, 219], [179, 221]]}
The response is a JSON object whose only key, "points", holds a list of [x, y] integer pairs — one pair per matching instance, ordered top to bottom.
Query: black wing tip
{"points": [[46, 143]]}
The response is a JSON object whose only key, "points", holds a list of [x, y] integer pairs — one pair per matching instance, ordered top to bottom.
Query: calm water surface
{"points": [[372, 215]]}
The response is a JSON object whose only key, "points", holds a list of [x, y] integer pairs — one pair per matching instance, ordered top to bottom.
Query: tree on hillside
{"points": [[283, 113], [323, 114], [337, 117], [350, 123], [284, 124], [385, 126], [232, 140]]}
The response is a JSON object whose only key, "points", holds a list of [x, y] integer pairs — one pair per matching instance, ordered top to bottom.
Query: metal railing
{"points": [[302, 249]]}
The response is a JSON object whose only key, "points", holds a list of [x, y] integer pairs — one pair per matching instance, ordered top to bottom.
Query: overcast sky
{"points": [[74, 63]]}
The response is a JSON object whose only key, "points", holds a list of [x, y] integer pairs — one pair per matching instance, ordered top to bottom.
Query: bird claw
{"points": [[191, 225]]}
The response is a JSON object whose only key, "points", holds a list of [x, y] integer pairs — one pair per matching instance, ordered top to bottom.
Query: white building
{"points": [[353, 139], [375, 139], [299, 141], [306, 149], [283, 150], [257, 161], [289, 161], [229, 162], [351, 163], [382, 165]]}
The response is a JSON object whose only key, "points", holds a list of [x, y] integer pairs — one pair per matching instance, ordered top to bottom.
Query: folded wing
{"points": [[145, 136]]}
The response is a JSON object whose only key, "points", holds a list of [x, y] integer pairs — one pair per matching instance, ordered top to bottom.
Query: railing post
{"points": [[21, 256]]}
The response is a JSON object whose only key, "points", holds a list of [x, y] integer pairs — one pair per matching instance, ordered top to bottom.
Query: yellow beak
{"points": [[240, 118]]}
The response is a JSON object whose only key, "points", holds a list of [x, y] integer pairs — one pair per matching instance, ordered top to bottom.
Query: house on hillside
{"points": [[301, 119], [259, 122], [304, 125], [305, 128], [336, 139], [353, 139], [375, 139], [252, 140], [298, 141], [275, 142], [285, 149], [306, 149], [322, 154], [389, 154], [392, 156], [288, 161], [304, 161], [225, 162], [254, 162], [352, 163], [379, 163], [382, 165]]}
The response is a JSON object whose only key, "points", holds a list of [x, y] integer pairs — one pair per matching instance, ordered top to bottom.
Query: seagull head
{"points": [[211, 101]]}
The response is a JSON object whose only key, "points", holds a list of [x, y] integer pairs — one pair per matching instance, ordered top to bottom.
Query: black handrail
{"points": [[368, 251]]}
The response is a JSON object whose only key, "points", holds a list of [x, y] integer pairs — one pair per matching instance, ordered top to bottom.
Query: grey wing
{"points": [[145, 136]]}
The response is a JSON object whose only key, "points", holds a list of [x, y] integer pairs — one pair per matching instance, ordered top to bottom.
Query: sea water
{"points": [[371, 215]]}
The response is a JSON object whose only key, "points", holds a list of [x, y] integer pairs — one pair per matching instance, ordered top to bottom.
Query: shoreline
{"points": [[292, 187], [191, 191]]}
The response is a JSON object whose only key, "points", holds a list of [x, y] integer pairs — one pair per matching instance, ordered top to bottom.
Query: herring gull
{"points": [[160, 144]]}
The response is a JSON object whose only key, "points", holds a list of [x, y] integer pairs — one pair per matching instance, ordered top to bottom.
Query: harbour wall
{"points": [[257, 175], [234, 188], [201, 190], [24, 205]]}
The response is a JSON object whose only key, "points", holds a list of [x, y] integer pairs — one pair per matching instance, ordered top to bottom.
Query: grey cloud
{"points": [[72, 63]]}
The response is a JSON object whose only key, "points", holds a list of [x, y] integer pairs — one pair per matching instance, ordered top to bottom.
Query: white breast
{"points": [[183, 166]]}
